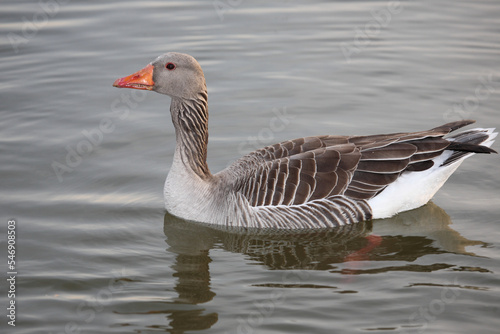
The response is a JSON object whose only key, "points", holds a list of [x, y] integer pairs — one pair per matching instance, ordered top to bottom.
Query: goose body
{"points": [[311, 182]]}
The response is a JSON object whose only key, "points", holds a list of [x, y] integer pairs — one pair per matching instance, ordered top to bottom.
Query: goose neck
{"points": [[190, 119]]}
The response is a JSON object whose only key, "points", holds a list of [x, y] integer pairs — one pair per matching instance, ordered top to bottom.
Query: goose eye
{"points": [[170, 66]]}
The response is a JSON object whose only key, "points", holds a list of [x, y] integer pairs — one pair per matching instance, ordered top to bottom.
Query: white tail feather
{"points": [[414, 189]]}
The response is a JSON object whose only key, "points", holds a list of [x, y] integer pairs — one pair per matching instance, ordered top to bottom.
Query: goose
{"points": [[312, 182]]}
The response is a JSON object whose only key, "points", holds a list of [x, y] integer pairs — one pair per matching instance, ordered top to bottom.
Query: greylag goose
{"points": [[311, 182]]}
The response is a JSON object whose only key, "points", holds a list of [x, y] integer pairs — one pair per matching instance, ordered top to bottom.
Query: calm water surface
{"points": [[96, 252]]}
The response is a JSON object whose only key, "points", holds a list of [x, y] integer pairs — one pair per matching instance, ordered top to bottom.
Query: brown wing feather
{"points": [[385, 157], [305, 169]]}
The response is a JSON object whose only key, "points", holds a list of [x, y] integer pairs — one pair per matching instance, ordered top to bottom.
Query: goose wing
{"points": [[358, 167]]}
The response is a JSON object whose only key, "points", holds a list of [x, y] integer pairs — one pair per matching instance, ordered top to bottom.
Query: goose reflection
{"points": [[405, 238], [191, 269]]}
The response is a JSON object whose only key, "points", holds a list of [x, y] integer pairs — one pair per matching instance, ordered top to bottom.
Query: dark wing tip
{"points": [[465, 147], [492, 150]]}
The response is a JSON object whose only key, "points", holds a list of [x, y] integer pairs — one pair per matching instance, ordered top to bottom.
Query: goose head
{"points": [[174, 74]]}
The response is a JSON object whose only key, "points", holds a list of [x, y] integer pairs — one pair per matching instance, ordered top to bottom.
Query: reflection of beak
{"points": [[142, 79]]}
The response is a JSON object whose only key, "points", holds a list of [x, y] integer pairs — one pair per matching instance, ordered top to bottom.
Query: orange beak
{"points": [[142, 79]]}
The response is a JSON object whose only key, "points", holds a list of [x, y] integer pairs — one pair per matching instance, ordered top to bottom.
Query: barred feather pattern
{"points": [[190, 118], [358, 167], [326, 181], [333, 211]]}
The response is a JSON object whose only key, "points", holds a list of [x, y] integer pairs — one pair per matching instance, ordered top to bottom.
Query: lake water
{"points": [[96, 251]]}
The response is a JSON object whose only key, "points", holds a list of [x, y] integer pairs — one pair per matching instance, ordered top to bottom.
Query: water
{"points": [[96, 252]]}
